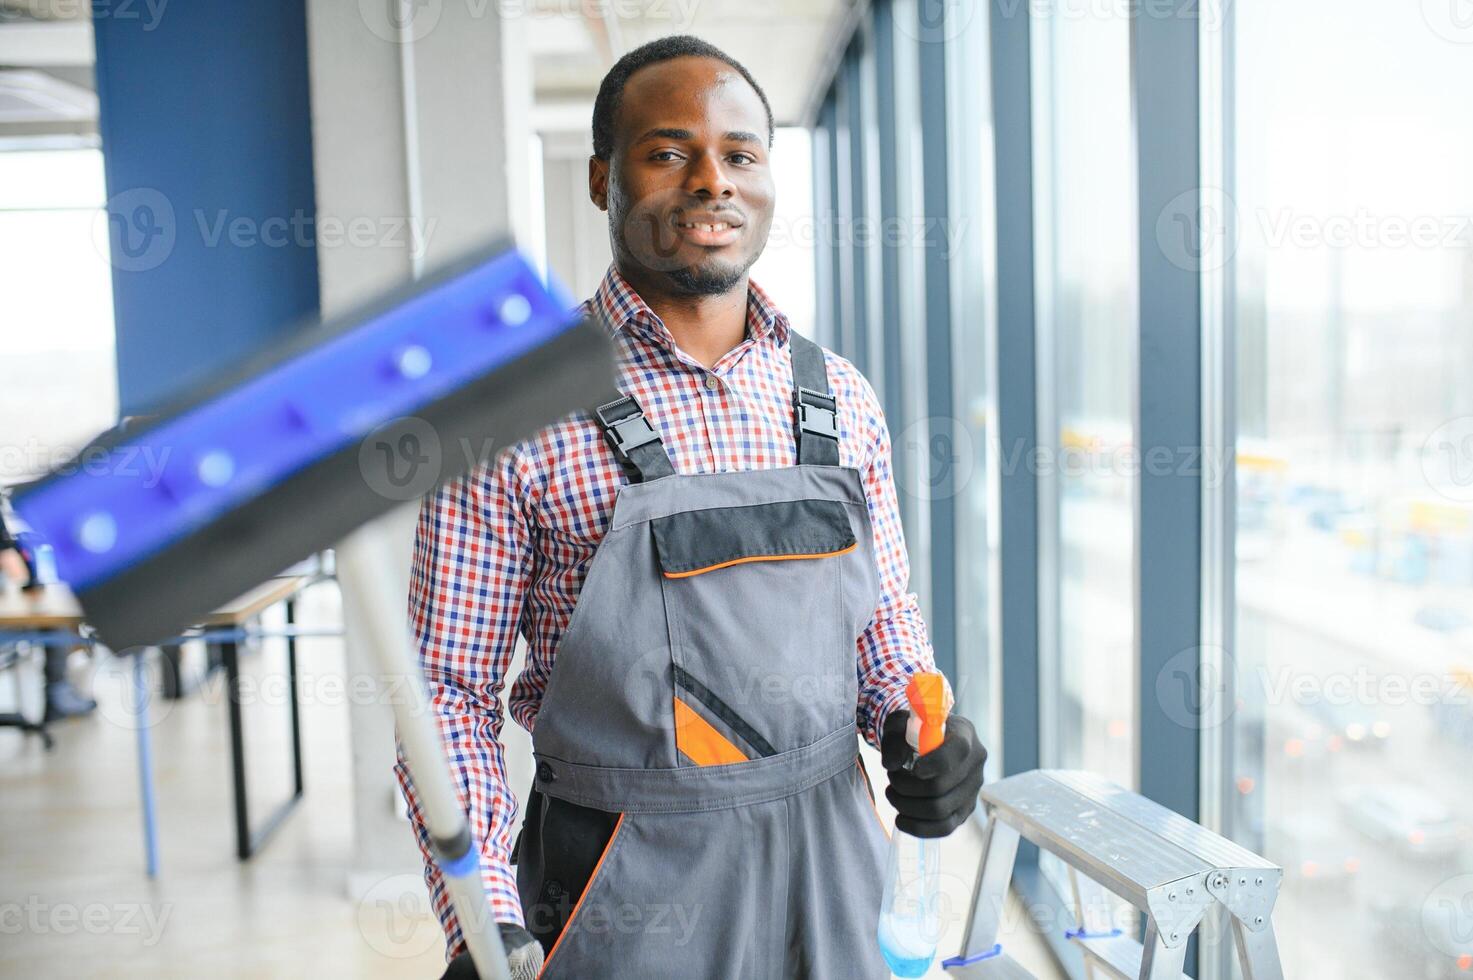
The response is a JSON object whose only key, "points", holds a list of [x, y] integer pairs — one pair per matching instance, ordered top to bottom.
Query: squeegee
{"points": [[286, 456]]}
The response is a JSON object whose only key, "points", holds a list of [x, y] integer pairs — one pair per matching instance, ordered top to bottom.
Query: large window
{"points": [[1087, 321], [58, 384], [1354, 649]]}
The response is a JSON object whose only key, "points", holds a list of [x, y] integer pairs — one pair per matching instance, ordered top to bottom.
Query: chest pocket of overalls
{"points": [[754, 597]]}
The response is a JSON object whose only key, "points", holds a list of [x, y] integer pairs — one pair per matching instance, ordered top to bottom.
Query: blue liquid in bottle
{"points": [[909, 922]]}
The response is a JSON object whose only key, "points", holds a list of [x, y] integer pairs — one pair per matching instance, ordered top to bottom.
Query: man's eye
{"points": [[663, 155], [743, 158]]}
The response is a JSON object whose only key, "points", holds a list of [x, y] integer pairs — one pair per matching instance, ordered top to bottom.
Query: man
{"points": [[711, 578]]}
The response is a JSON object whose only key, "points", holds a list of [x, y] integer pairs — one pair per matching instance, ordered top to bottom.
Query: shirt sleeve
{"points": [[472, 561], [895, 645]]}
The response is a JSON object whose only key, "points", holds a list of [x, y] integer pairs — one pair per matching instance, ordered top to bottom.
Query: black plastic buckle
{"points": [[818, 416], [630, 433]]}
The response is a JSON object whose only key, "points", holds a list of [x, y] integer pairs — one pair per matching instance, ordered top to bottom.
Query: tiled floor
{"points": [[74, 900]]}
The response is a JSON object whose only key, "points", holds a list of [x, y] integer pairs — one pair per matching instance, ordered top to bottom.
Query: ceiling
{"points": [[783, 44], [46, 54], [46, 87]]}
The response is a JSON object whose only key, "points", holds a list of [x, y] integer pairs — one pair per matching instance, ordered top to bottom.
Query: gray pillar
{"points": [[421, 151]]}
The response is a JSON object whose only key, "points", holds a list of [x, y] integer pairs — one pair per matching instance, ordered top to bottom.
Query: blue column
{"points": [[207, 142]]}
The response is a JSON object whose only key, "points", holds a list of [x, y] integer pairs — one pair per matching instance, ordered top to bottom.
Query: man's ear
{"points": [[598, 182]]}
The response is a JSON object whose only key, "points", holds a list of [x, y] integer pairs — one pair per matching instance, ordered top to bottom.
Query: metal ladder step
{"points": [[1171, 870], [1118, 956], [1000, 967]]}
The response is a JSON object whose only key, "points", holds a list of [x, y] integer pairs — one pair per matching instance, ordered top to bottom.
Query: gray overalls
{"points": [[699, 808]]}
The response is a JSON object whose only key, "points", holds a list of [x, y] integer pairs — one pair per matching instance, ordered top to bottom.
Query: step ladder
{"points": [[1171, 869]]}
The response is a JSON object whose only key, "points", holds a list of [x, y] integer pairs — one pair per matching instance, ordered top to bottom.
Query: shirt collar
{"points": [[619, 306]]}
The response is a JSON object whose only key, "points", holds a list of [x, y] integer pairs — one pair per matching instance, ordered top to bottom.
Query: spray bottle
{"points": [[910, 920]]}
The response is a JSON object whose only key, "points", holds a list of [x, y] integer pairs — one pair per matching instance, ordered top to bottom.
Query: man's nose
{"points": [[706, 177]]}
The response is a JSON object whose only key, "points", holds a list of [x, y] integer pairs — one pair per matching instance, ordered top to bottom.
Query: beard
{"points": [[710, 279]]}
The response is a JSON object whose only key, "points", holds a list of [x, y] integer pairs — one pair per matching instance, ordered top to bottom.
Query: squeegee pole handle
{"points": [[365, 570]]}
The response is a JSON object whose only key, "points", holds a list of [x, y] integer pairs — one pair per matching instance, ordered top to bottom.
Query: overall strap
{"points": [[814, 409], [634, 440]]}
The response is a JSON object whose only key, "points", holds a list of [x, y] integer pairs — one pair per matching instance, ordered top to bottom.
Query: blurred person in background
{"points": [[18, 565]]}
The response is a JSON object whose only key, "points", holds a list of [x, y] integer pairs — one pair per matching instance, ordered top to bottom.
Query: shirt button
{"points": [[711, 383]]}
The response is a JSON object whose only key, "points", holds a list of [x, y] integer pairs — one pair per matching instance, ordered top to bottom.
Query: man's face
{"points": [[687, 186]]}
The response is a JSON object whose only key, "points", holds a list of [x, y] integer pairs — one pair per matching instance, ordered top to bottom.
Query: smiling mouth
{"points": [[708, 225], [710, 229]]}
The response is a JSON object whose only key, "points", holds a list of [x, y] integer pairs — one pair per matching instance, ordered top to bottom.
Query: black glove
{"points": [[933, 794], [523, 955]]}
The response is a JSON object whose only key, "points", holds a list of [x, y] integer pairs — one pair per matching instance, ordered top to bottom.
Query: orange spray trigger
{"points": [[930, 703]]}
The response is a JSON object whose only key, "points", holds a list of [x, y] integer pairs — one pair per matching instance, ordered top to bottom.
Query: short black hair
{"points": [[611, 89]]}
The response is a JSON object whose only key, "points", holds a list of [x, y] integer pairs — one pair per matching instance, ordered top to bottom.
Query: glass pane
{"points": [[786, 267], [1088, 273], [974, 328], [58, 383], [1352, 731]]}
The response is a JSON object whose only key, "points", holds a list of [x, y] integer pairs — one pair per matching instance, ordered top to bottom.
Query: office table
{"points": [[51, 615], [48, 616]]}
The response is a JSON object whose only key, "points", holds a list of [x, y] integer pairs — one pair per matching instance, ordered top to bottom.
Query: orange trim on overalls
{"points": [[740, 561], [700, 742], [869, 790], [567, 927]]}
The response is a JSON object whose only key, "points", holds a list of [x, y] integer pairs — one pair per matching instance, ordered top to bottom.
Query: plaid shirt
{"points": [[504, 549]]}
